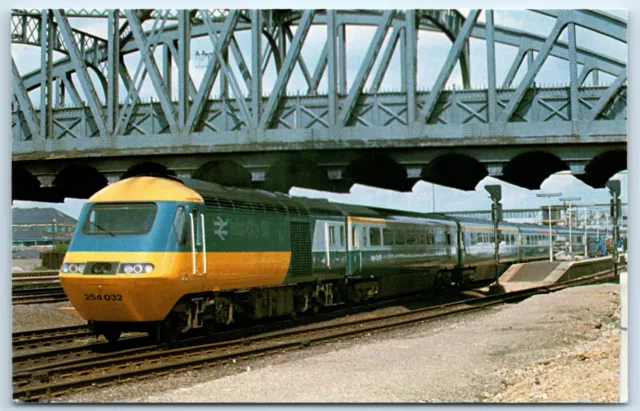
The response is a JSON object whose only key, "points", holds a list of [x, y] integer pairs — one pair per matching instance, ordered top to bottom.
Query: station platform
{"points": [[539, 273]]}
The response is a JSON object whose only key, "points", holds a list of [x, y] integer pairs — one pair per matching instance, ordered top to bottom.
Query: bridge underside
{"points": [[328, 170]]}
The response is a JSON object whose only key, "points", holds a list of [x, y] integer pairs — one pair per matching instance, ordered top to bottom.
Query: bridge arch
{"points": [[604, 166], [148, 168], [530, 169], [455, 170], [296, 171], [378, 171], [225, 172], [79, 181], [23, 183]]}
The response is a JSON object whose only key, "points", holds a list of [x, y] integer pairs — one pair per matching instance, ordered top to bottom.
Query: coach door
{"points": [[198, 245], [355, 254]]}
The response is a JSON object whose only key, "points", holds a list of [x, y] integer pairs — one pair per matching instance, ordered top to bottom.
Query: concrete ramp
{"points": [[528, 275]]}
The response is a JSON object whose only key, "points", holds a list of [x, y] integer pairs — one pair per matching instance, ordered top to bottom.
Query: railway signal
{"points": [[495, 192], [616, 211]]}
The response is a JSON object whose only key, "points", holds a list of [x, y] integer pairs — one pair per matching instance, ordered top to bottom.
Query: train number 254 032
{"points": [[103, 297]]}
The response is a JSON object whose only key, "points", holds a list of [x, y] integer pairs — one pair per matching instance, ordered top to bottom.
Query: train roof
{"points": [[146, 188], [216, 195]]}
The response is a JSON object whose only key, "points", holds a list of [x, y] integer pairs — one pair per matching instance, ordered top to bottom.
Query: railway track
{"points": [[32, 274], [36, 287], [40, 292], [53, 297], [47, 337], [52, 337], [46, 381]]}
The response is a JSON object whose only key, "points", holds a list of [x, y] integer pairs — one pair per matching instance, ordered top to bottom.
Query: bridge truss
{"points": [[135, 93]]}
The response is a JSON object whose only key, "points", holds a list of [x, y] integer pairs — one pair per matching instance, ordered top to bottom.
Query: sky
{"points": [[432, 51]]}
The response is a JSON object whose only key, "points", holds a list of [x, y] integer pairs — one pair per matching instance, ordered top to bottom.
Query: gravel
{"points": [[26, 317], [548, 348]]}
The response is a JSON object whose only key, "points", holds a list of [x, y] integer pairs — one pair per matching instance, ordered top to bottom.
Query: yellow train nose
{"points": [[120, 297], [101, 298]]}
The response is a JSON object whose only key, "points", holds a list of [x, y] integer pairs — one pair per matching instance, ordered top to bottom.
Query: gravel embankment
{"points": [[26, 317], [557, 347]]}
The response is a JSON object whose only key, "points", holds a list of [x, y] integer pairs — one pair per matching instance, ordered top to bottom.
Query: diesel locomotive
{"points": [[166, 256]]}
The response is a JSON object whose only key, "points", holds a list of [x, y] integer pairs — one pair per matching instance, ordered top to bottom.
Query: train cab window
{"points": [[121, 218], [181, 227], [332, 235], [341, 235], [364, 236], [375, 236], [387, 236]]}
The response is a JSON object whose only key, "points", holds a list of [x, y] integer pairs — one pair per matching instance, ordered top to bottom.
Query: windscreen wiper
{"points": [[102, 228]]}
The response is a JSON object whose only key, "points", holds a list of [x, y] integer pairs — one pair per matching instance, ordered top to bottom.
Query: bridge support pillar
{"points": [[577, 167], [495, 169], [46, 181]]}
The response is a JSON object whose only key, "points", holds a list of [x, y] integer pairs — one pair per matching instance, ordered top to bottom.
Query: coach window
{"points": [[180, 225], [332, 235], [341, 235], [354, 236], [364, 236], [375, 236], [387, 236], [430, 236], [400, 237], [411, 237], [447, 238]]}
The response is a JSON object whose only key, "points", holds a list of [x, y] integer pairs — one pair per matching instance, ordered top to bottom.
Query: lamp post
{"points": [[549, 195], [569, 200], [53, 229], [584, 240]]}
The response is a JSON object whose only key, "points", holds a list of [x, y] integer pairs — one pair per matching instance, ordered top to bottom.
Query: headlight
{"points": [[73, 268], [136, 268]]}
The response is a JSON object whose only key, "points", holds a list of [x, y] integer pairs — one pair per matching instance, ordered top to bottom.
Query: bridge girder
{"points": [[251, 113]]}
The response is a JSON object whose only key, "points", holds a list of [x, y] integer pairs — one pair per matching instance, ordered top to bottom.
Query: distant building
{"points": [[596, 216], [41, 226]]}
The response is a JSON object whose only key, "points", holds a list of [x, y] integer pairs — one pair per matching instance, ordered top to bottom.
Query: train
{"points": [[166, 255]]}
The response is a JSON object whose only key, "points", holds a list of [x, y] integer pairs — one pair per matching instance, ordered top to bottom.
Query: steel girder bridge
{"points": [[129, 102]]}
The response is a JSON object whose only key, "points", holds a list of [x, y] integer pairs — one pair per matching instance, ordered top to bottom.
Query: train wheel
{"points": [[210, 327], [170, 330], [112, 335]]}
